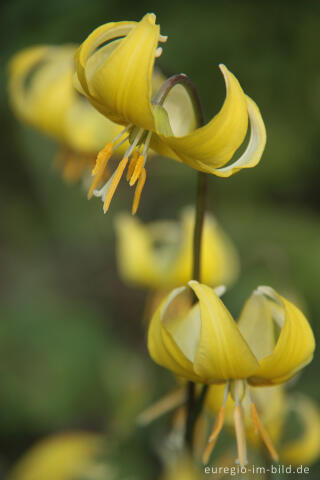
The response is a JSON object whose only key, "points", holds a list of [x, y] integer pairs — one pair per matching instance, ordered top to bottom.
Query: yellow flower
{"points": [[114, 70], [42, 95], [159, 255], [270, 343], [305, 447], [59, 457], [182, 469]]}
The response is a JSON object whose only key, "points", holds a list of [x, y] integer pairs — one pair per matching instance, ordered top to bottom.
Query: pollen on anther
{"points": [[137, 170], [114, 184], [138, 191]]}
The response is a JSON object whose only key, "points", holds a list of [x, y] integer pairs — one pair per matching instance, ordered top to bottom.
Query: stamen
{"points": [[163, 38], [158, 52], [122, 132], [120, 143], [103, 156], [101, 163], [132, 164], [137, 170], [114, 184], [138, 191], [165, 405], [216, 428], [259, 428], [214, 435], [240, 435]]}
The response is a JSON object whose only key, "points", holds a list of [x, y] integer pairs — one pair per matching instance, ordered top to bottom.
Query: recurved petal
{"points": [[118, 76], [213, 145], [253, 153], [167, 338], [295, 345], [222, 353]]}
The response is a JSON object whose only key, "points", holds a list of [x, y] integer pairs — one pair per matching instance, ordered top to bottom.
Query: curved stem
{"points": [[187, 83], [194, 404]]}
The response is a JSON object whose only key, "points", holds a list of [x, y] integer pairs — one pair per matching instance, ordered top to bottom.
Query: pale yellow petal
{"points": [[118, 77], [214, 144], [256, 145], [257, 326], [161, 345], [295, 345], [222, 352]]}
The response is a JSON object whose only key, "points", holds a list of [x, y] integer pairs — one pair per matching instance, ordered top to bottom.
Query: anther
{"points": [[132, 164], [137, 170], [115, 182], [138, 191], [259, 428]]}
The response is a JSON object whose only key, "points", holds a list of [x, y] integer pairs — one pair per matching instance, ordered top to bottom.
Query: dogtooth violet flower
{"points": [[114, 70], [42, 95], [158, 255], [270, 343], [63, 456]]}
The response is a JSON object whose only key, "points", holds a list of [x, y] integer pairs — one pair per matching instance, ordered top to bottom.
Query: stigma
{"points": [[134, 160], [239, 391]]}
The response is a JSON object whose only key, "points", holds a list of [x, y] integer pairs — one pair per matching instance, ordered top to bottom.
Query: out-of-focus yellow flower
{"points": [[114, 70], [42, 94], [159, 255], [270, 343], [305, 447], [59, 457], [182, 469]]}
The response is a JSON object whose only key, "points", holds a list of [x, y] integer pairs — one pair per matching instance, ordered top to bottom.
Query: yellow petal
{"points": [[117, 77], [41, 88], [214, 144], [253, 153], [159, 254], [256, 325], [162, 345], [294, 347], [222, 353], [306, 448], [59, 457]]}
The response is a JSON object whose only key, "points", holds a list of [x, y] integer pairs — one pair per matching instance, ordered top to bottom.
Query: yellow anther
{"points": [[102, 157], [101, 164], [132, 164], [137, 170], [115, 182], [138, 191], [259, 428], [214, 435], [240, 435]]}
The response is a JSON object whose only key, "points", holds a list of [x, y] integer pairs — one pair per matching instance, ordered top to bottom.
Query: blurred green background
{"points": [[72, 343]]}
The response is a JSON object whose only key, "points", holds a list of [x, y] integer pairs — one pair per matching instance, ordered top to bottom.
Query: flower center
{"points": [[137, 153], [239, 390]]}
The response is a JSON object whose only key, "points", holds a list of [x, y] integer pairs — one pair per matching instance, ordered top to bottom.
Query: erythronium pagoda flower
{"points": [[114, 70], [42, 95], [159, 255], [271, 342], [62, 456]]}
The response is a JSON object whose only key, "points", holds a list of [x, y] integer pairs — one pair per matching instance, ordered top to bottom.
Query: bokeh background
{"points": [[72, 343]]}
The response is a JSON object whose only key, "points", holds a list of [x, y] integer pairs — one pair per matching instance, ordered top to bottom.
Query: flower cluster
{"points": [[124, 106]]}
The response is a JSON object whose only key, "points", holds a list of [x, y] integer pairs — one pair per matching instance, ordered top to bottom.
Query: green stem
{"points": [[194, 404]]}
